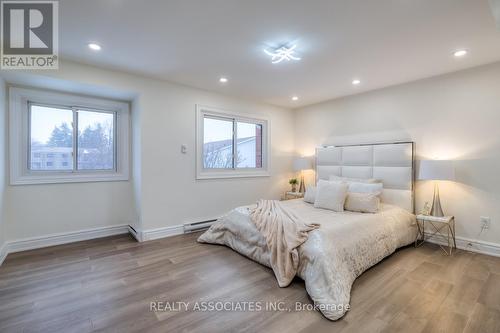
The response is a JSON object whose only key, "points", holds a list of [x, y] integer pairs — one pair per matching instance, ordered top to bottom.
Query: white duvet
{"points": [[345, 245]]}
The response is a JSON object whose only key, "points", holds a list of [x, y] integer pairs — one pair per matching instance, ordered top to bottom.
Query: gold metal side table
{"points": [[437, 227]]}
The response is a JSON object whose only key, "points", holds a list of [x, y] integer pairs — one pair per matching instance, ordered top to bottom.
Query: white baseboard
{"points": [[135, 232], [151, 234], [81, 235], [64, 238], [467, 244], [3, 252]]}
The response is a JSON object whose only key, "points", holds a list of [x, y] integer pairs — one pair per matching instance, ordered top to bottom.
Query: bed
{"points": [[347, 243]]}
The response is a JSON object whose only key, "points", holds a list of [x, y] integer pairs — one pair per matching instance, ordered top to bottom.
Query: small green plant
{"points": [[293, 181]]}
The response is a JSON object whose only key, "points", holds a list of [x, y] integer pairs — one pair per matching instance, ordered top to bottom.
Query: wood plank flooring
{"points": [[108, 285]]}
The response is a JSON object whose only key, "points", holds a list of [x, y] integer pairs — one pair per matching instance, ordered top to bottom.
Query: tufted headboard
{"points": [[392, 163]]}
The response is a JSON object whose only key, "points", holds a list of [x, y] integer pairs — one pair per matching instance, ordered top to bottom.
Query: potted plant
{"points": [[294, 183]]}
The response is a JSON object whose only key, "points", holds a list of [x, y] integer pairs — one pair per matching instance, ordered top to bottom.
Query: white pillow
{"points": [[354, 180], [366, 188], [310, 194], [331, 195], [362, 202]]}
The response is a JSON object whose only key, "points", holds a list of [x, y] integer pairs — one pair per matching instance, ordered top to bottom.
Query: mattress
{"points": [[342, 248]]}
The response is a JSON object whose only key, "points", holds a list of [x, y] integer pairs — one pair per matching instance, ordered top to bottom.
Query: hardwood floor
{"points": [[108, 285]]}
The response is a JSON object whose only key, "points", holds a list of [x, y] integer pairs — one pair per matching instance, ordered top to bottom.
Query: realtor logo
{"points": [[29, 35]]}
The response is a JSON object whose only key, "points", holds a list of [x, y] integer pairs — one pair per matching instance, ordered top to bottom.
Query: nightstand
{"points": [[292, 195], [441, 227]]}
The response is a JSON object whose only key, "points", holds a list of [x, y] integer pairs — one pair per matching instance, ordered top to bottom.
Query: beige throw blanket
{"points": [[284, 232]]}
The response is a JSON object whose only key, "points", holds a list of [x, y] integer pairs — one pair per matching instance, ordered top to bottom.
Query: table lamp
{"points": [[300, 164], [436, 170]]}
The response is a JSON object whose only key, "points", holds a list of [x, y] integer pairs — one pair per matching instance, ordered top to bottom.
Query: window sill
{"points": [[231, 174], [32, 179]]}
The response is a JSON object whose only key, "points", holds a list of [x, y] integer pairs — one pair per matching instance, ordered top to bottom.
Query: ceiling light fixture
{"points": [[94, 46], [282, 53], [460, 53], [223, 80], [356, 82], [295, 98]]}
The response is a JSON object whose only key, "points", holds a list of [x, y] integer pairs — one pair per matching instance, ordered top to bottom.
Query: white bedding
{"points": [[345, 245]]}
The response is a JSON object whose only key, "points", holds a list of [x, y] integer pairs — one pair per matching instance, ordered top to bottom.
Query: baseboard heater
{"points": [[197, 226]]}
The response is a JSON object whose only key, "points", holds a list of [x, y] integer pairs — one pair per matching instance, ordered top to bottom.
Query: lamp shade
{"points": [[302, 163], [436, 170]]}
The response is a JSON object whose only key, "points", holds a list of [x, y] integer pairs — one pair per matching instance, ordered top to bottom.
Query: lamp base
{"points": [[302, 186], [436, 209]]}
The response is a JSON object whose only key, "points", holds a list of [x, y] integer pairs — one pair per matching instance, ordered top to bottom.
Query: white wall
{"points": [[455, 116], [3, 161], [136, 163], [163, 191], [170, 193]]}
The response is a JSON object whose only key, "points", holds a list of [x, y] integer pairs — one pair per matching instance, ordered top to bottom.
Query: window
{"points": [[50, 131], [66, 138], [95, 140], [217, 143], [230, 145], [248, 145]]}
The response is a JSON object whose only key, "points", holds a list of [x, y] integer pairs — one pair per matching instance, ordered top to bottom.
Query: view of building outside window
{"points": [[51, 133], [95, 140], [218, 144], [249, 145]]}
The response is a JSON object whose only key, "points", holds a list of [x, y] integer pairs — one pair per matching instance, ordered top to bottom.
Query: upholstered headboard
{"points": [[392, 163]]}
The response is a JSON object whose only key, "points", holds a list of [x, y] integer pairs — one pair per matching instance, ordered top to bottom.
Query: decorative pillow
{"points": [[354, 180], [376, 188], [310, 194], [331, 195], [362, 202]]}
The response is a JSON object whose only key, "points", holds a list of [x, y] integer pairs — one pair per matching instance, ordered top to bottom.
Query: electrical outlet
{"points": [[485, 222]]}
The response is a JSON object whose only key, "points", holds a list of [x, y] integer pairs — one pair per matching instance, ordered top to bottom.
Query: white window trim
{"points": [[19, 145], [201, 173]]}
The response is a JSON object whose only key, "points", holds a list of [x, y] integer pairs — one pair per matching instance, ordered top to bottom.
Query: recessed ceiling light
{"points": [[94, 46], [459, 53], [223, 80], [356, 82], [295, 98]]}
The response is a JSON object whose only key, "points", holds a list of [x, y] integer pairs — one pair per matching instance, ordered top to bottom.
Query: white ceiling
{"points": [[194, 42]]}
